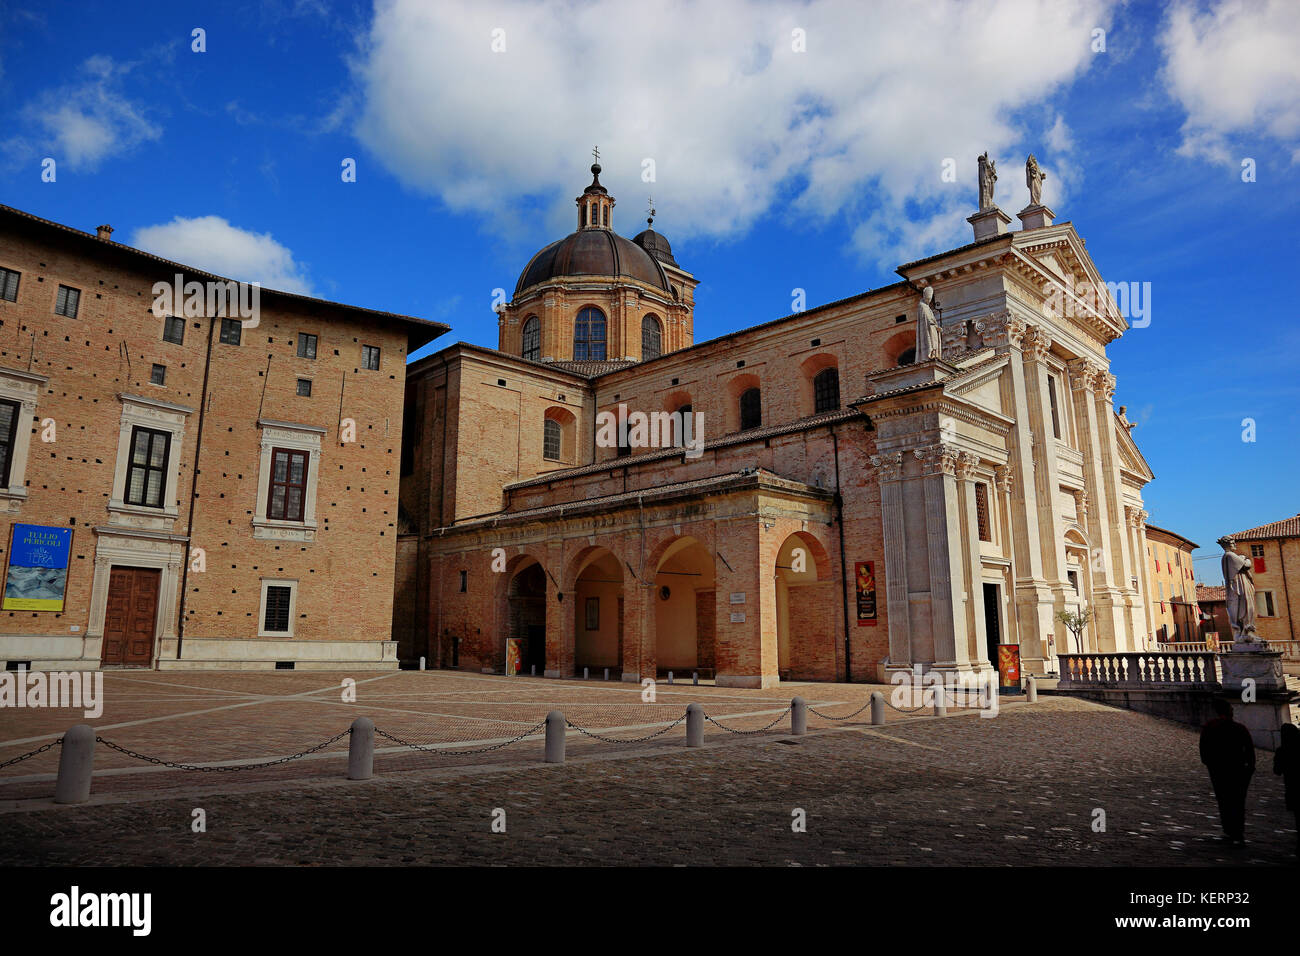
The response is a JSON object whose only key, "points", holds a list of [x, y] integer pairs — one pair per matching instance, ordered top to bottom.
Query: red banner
{"points": [[865, 578]]}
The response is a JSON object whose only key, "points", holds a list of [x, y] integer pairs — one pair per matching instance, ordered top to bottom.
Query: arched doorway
{"points": [[526, 597], [805, 604], [598, 611], [685, 620]]}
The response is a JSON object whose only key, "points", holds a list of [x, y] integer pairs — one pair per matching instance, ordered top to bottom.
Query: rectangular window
{"points": [[9, 285], [67, 301], [174, 330], [231, 331], [306, 345], [370, 357], [158, 375], [304, 387], [10, 413], [1056, 415], [146, 475], [288, 491], [982, 510], [1257, 558], [1074, 580], [464, 581], [1264, 604], [593, 614], [276, 617]]}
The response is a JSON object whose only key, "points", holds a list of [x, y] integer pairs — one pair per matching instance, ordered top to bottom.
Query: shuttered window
{"points": [[9, 285], [67, 301], [10, 412], [146, 475], [288, 489], [278, 598]]}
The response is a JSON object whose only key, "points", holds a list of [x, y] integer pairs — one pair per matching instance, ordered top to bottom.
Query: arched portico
{"points": [[805, 602]]}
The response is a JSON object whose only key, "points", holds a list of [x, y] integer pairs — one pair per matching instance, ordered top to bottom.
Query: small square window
{"points": [[9, 285], [67, 301], [174, 330], [231, 331], [306, 345], [370, 357], [159, 375], [304, 387]]}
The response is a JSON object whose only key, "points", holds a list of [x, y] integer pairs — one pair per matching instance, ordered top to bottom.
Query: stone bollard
{"points": [[421, 663], [532, 670], [606, 673], [586, 674], [670, 677], [695, 678], [1031, 689], [940, 702], [877, 708], [799, 716], [694, 725], [555, 729], [361, 749], [76, 764]]}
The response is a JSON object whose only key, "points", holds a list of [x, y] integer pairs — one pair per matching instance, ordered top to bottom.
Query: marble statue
{"points": [[988, 176], [1034, 179], [929, 339], [1239, 592]]}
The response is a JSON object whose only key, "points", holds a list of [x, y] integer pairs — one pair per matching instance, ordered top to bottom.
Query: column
{"points": [[889, 472], [1120, 543], [944, 551], [976, 628]]}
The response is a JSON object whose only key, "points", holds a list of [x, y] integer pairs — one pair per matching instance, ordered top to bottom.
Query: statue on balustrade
{"points": [[1239, 591]]}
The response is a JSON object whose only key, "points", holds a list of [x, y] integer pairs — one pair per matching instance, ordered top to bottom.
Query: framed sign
{"points": [[36, 578], [865, 578]]}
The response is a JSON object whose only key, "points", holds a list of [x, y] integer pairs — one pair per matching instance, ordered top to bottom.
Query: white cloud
{"points": [[1233, 67], [85, 122], [739, 125], [214, 245]]}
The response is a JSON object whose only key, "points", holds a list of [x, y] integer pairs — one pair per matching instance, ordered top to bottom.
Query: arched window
{"points": [[604, 215], [589, 336], [651, 338], [532, 339], [908, 357], [826, 390], [751, 409], [682, 436], [551, 440]]}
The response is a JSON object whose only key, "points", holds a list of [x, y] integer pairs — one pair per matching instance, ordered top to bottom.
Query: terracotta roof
{"points": [[426, 330], [591, 369], [659, 454], [1286, 528], [1192, 545], [1210, 592]]}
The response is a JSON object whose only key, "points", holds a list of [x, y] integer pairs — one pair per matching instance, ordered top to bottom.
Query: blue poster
{"points": [[37, 578]]}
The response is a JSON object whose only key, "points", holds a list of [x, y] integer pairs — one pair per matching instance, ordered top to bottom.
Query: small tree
{"points": [[1075, 622]]}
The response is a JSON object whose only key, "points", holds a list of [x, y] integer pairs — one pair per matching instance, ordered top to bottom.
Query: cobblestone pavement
{"points": [[1020, 789]]}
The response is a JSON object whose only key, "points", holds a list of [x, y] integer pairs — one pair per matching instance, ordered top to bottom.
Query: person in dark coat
{"points": [[1229, 754], [1286, 763]]}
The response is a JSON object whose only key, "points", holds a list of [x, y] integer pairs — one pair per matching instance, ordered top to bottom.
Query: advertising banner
{"points": [[37, 576], [865, 577]]}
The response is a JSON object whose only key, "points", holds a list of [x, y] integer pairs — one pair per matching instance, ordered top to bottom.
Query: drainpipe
{"points": [[194, 491], [844, 582], [1286, 593]]}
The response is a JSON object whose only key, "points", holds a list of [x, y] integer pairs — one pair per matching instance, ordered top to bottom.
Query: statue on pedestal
{"points": [[988, 176], [1034, 180], [929, 338], [1239, 592]]}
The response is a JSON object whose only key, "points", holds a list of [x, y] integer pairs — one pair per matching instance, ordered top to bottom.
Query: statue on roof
{"points": [[988, 176], [1034, 180], [929, 339]]}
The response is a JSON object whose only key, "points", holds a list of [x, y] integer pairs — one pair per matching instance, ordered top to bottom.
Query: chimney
{"points": [[104, 232]]}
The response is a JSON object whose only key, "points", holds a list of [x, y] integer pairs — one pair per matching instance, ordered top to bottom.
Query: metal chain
{"points": [[813, 710], [732, 730], [625, 740], [39, 750], [459, 753], [227, 769]]}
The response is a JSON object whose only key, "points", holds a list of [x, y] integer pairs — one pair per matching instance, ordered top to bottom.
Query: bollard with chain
{"points": [[421, 663], [606, 673], [585, 674], [670, 677], [695, 678], [1031, 690], [940, 702], [877, 708], [799, 716], [694, 725], [555, 728], [361, 749], [76, 764]]}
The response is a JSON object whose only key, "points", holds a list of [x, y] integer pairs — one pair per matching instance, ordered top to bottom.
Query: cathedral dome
{"points": [[655, 244], [594, 252]]}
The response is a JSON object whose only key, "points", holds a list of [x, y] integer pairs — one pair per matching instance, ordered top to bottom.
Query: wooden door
{"points": [[130, 616]]}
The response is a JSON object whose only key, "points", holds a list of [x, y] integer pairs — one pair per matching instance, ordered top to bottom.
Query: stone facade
{"points": [[988, 489], [1274, 550], [190, 569], [1171, 585]]}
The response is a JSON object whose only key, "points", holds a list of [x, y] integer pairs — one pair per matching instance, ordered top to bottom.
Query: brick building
{"points": [[221, 489], [836, 508], [1274, 550], [1171, 587]]}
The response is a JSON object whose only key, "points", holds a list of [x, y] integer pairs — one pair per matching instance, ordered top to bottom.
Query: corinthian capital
{"points": [[1037, 344], [938, 459], [889, 466], [1004, 475]]}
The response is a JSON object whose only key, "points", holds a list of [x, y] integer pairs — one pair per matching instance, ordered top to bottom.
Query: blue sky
{"points": [[774, 167]]}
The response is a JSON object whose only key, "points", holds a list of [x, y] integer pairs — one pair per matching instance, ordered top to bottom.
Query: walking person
{"points": [[1229, 754], [1286, 763]]}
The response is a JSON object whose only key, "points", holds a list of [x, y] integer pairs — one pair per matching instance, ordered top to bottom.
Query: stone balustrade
{"points": [[1144, 670]]}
